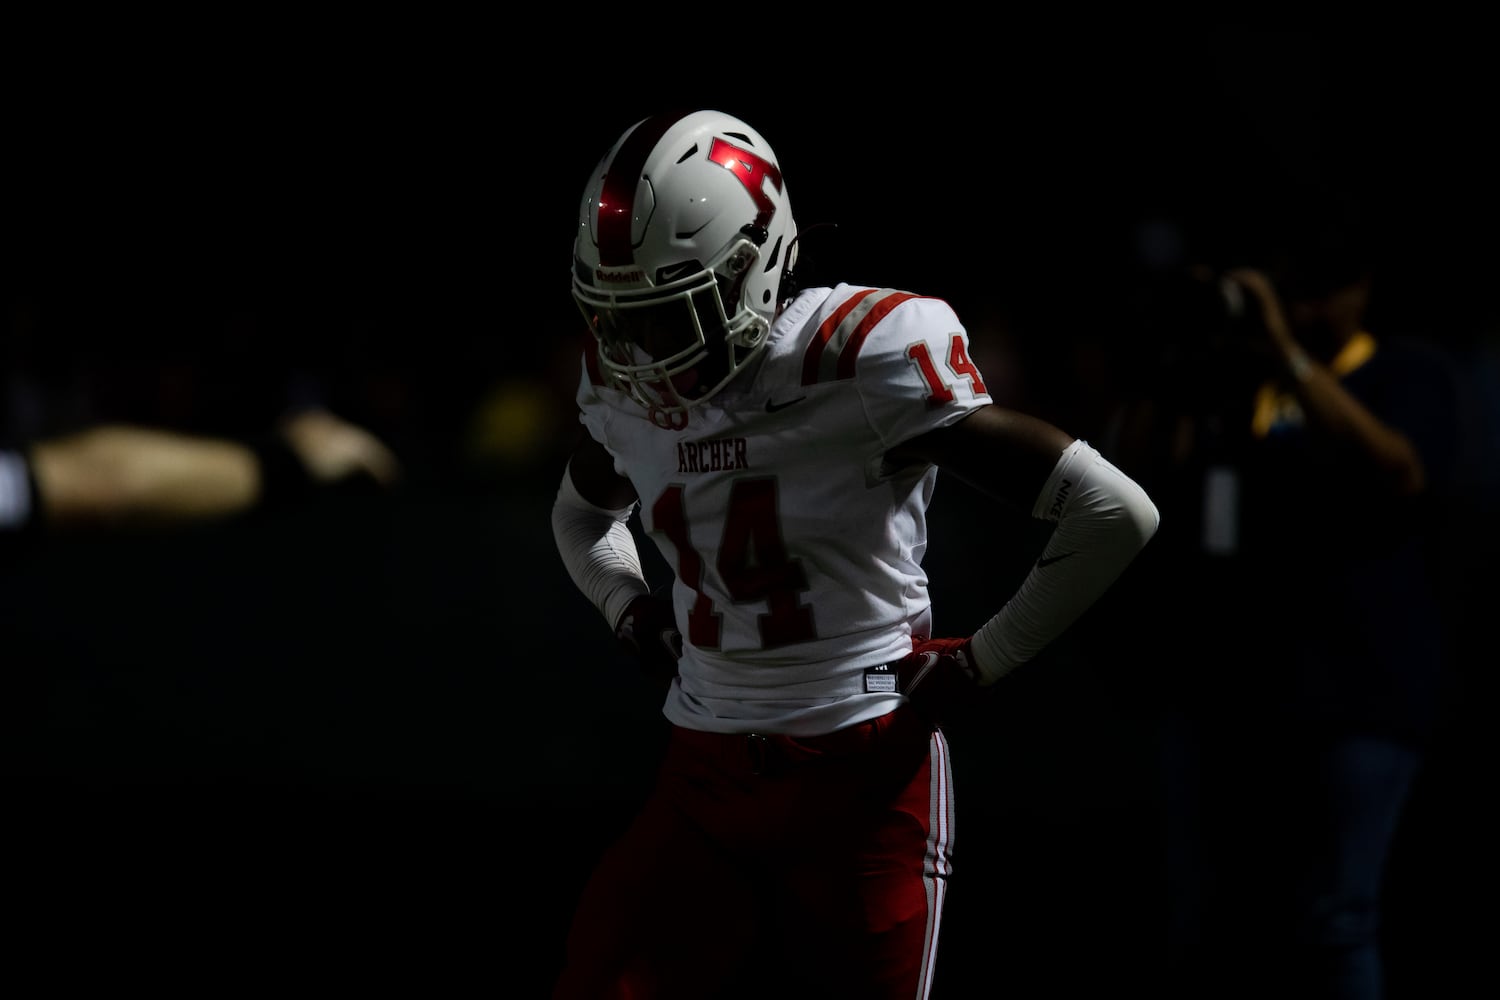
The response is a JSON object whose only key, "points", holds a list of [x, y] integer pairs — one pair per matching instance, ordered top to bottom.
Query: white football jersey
{"points": [[797, 551]]}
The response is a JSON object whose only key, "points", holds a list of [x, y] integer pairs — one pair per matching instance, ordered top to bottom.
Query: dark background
{"points": [[382, 737]]}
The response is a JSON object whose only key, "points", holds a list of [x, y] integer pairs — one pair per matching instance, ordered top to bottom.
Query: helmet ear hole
{"points": [[773, 256]]}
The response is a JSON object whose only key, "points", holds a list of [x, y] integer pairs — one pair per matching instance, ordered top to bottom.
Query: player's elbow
{"points": [[1129, 512], [1142, 520]]}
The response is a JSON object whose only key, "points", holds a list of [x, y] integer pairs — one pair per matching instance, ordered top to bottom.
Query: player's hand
{"points": [[648, 631], [939, 677]]}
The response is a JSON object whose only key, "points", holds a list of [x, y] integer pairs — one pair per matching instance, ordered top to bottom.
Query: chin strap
{"points": [[787, 289]]}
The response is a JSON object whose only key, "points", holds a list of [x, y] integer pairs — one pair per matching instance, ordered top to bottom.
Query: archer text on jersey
{"points": [[713, 455]]}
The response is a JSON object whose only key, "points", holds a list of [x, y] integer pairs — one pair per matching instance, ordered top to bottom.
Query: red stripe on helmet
{"points": [[617, 194]]}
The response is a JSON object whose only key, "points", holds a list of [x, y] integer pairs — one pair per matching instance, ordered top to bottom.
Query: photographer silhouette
{"points": [[1302, 463]]}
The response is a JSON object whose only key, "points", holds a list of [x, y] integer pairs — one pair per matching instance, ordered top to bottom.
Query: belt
{"points": [[762, 753]]}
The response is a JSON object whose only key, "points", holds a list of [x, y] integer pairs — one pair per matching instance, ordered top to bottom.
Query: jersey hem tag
{"points": [[880, 679]]}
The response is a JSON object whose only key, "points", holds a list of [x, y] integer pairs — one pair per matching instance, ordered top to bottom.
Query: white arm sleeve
{"points": [[1103, 520], [598, 549]]}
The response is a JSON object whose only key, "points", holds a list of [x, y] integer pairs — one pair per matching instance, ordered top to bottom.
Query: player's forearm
{"points": [[118, 474], [1104, 519], [598, 550]]}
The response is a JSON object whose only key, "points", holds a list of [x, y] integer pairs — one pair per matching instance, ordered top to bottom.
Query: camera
{"points": [[1196, 311]]}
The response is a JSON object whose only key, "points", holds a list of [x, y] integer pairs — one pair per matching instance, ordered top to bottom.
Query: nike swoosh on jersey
{"points": [[772, 407], [1048, 561]]}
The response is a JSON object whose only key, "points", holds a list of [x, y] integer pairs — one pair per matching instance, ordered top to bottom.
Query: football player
{"points": [[781, 446]]}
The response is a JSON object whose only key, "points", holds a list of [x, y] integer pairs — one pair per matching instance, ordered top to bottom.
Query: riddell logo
{"points": [[632, 276]]}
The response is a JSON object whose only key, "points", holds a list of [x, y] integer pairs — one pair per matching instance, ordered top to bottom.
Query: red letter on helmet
{"points": [[752, 172]]}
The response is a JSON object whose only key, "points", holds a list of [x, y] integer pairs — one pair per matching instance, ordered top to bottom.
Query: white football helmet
{"points": [[684, 236]]}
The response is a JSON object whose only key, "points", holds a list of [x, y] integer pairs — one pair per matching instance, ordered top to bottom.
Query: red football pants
{"points": [[775, 866]]}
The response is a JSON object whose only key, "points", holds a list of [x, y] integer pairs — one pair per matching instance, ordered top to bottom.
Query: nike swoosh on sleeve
{"points": [[1046, 561]]}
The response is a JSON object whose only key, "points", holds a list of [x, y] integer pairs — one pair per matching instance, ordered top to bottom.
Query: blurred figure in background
{"points": [[129, 416], [1304, 461], [120, 476], [173, 599]]}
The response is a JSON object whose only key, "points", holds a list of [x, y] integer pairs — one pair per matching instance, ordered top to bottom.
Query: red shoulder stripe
{"points": [[857, 338], [814, 356]]}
